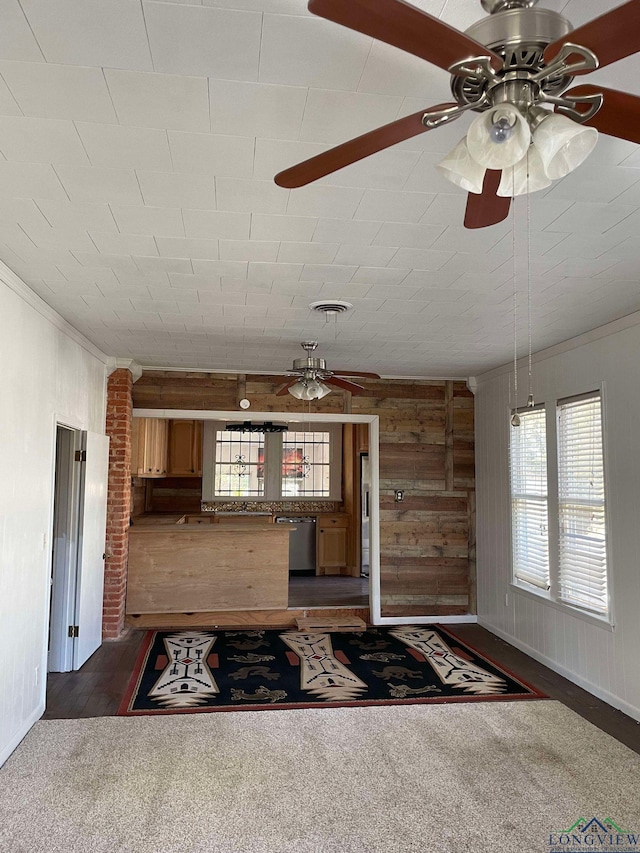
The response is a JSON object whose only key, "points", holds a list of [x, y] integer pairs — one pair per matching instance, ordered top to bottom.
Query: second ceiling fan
{"points": [[517, 65]]}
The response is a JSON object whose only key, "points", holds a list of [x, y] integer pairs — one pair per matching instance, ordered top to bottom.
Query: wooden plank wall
{"points": [[426, 449]]}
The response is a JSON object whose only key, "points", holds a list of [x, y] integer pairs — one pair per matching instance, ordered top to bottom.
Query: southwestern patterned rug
{"points": [[187, 671]]}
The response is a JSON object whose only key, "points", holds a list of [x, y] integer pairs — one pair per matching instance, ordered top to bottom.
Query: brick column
{"points": [[118, 427]]}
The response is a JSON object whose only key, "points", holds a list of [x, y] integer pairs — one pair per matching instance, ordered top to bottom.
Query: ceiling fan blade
{"points": [[399, 24], [611, 37], [618, 116], [354, 150], [487, 208], [355, 373], [342, 383], [284, 389]]}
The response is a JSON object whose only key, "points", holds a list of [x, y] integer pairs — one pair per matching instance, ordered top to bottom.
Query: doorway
{"points": [[78, 542]]}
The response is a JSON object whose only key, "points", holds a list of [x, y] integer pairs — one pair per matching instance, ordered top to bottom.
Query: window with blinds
{"points": [[529, 504], [581, 505]]}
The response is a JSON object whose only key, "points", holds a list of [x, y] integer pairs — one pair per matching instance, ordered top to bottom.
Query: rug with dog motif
{"points": [[202, 670]]}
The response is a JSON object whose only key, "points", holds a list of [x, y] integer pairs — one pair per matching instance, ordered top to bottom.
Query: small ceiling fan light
{"points": [[563, 144], [489, 153], [461, 169], [514, 181], [298, 390], [316, 390]]}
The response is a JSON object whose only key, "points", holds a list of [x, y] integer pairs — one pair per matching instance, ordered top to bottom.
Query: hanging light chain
{"points": [[530, 400], [515, 417]]}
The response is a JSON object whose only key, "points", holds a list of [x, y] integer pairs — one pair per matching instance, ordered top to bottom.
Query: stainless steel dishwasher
{"points": [[302, 543]]}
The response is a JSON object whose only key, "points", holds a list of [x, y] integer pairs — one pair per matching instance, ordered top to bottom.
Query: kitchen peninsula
{"points": [[177, 566]]}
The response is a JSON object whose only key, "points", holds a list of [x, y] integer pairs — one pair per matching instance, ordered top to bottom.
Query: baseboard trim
{"points": [[605, 695], [22, 732]]}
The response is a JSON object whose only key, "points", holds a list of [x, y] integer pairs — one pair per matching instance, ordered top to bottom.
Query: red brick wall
{"points": [[119, 422]]}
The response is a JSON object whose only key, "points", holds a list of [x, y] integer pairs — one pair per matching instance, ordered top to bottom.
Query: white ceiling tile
{"points": [[284, 7], [90, 32], [16, 37], [222, 43], [311, 52], [393, 72], [59, 91], [159, 100], [8, 104], [256, 109], [334, 117], [41, 140], [126, 147], [275, 155], [230, 156], [30, 180], [91, 184], [598, 184], [177, 189], [238, 194], [330, 202], [393, 206], [22, 212], [65, 215], [591, 216], [157, 221], [216, 224], [297, 229], [354, 233], [409, 236], [55, 238], [478, 241], [124, 244], [584, 245], [180, 247], [248, 250], [307, 253], [373, 256], [423, 259], [122, 263], [152, 266], [233, 269], [626, 270], [272, 272], [327, 272], [380, 275], [102, 276], [185, 282]]}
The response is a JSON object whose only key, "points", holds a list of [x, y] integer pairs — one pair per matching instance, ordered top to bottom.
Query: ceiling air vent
{"points": [[332, 307]]}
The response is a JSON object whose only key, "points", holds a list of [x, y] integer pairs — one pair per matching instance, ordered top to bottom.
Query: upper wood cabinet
{"points": [[149, 447], [185, 449]]}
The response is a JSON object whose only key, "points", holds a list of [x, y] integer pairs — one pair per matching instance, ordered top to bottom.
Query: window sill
{"points": [[567, 609]]}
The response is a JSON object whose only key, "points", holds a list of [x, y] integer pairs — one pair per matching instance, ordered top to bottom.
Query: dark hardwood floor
{"points": [[328, 591], [97, 689]]}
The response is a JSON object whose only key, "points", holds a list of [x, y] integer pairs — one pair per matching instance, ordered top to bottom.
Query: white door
{"points": [[91, 547]]}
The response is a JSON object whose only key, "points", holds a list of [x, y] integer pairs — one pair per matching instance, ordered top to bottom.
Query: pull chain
{"points": [[530, 400], [515, 417]]}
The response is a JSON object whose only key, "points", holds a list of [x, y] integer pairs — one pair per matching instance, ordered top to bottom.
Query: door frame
{"points": [[63, 567]]}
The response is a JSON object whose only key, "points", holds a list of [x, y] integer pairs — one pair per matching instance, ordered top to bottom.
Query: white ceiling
{"points": [[139, 144]]}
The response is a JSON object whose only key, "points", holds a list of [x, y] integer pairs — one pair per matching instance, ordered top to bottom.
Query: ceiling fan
{"points": [[517, 66], [311, 377]]}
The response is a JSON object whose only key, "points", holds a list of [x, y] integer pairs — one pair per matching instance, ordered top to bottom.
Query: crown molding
{"points": [[15, 283], [128, 364]]}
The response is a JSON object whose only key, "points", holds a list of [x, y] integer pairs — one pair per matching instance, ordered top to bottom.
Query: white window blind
{"points": [[581, 505], [529, 526]]}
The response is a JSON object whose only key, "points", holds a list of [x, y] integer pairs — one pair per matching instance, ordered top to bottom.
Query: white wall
{"points": [[49, 373], [603, 661]]}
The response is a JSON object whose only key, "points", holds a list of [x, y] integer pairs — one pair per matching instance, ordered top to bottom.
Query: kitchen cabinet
{"points": [[149, 447], [185, 449], [331, 537]]}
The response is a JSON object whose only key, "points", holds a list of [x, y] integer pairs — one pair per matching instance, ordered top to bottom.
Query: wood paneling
{"points": [[426, 449], [194, 568]]}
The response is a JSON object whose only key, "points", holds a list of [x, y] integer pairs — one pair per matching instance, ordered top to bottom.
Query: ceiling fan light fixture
{"points": [[499, 138], [563, 144], [461, 169], [527, 176], [312, 389]]}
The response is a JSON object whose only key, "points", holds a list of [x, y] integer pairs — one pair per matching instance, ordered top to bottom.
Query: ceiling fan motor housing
{"points": [[519, 36]]}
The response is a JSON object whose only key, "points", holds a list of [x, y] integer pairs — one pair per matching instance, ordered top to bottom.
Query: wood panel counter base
{"points": [[185, 568], [240, 619]]}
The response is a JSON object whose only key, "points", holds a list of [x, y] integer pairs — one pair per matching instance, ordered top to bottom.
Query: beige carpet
{"points": [[485, 778]]}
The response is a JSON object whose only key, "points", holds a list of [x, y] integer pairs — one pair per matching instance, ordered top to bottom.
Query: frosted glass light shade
{"points": [[563, 144], [493, 155], [461, 169], [514, 179], [309, 390]]}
